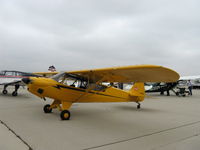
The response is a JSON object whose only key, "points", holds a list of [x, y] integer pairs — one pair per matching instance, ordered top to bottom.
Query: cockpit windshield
{"points": [[58, 76], [71, 80], [78, 81]]}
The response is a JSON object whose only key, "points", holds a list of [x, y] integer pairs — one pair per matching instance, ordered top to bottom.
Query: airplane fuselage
{"points": [[8, 76], [46, 87]]}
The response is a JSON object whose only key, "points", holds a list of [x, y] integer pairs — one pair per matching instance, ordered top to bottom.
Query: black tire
{"points": [[4, 92], [14, 93], [138, 106], [47, 109], [65, 115]]}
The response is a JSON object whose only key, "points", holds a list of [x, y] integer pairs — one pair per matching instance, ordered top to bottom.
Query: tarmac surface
{"points": [[162, 123]]}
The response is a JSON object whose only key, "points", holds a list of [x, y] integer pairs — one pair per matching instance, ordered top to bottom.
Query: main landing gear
{"points": [[4, 90], [14, 93], [62, 106], [138, 106], [47, 108], [65, 115]]}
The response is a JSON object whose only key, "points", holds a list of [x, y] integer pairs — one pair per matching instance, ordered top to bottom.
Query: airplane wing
{"points": [[137, 73], [45, 74]]}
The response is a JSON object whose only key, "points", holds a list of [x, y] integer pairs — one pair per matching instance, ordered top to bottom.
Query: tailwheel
{"points": [[4, 92], [14, 93], [138, 106], [47, 109], [65, 115]]}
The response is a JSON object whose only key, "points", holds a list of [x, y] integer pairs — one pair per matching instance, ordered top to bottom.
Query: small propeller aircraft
{"points": [[13, 78], [87, 86], [161, 87]]}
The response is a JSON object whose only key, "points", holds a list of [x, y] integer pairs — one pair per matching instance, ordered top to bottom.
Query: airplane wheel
{"points": [[4, 92], [14, 93], [138, 106], [47, 109], [65, 115]]}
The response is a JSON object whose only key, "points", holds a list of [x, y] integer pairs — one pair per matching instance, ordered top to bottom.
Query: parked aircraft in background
{"points": [[13, 78], [195, 80], [86, 86], [160, 87], [180, 88]]}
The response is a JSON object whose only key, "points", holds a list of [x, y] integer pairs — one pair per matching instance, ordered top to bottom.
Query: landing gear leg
{"points": [[16, 89], [4, 90], [138, 106], [48, 108], [65, 113]]}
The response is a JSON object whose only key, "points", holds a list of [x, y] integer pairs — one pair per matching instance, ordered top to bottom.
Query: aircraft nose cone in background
{"points": [[26, 80]]}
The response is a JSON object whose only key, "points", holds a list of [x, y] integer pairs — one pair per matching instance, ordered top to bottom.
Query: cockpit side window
{"points": [[10, 73], [19, 74], [58, 76], [71, 80], [77, 81]]}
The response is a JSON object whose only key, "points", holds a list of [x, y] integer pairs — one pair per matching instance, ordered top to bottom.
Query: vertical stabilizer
{"points": [[138, 90]]}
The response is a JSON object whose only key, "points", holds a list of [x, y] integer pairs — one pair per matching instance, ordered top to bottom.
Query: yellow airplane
{"points": [[87, 86]]}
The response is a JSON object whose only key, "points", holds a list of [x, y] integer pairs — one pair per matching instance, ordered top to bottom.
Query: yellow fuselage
{"points": [[46, 87]]}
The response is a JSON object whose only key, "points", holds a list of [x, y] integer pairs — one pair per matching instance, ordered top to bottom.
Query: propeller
{"points": [[26, 80]]}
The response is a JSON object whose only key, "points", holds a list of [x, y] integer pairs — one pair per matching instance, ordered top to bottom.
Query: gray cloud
{"points": [[90, 34]]}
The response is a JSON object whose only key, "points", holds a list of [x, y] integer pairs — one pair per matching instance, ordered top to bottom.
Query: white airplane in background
{"points": [[189, 77], [13, 78], [195, 80]]}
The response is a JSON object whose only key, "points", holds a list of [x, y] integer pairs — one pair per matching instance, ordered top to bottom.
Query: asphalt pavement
{"points": [[162, 123]]}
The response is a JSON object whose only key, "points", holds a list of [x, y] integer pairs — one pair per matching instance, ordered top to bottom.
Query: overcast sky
{"points": [[84, 34]]}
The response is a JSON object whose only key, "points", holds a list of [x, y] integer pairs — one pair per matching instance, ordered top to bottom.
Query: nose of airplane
{"points": [[26, 80]]}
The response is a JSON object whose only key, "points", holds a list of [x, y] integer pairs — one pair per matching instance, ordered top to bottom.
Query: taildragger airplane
{"points": [[87, 86]]}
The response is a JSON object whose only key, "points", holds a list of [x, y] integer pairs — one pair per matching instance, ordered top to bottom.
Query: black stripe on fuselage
{"points": [[82, 90]]}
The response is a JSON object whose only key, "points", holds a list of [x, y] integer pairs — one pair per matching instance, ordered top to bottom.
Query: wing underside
{"points": [[138, 73]]}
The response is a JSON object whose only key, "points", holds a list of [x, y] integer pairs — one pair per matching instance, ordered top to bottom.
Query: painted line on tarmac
{"points": [[3, 123], [146, 135]]}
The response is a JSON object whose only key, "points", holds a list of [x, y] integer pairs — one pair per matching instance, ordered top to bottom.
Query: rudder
{"points": [[138, 90]]}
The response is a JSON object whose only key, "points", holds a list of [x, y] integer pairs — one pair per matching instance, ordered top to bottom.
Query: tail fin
{"points": [[138, 90]]}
